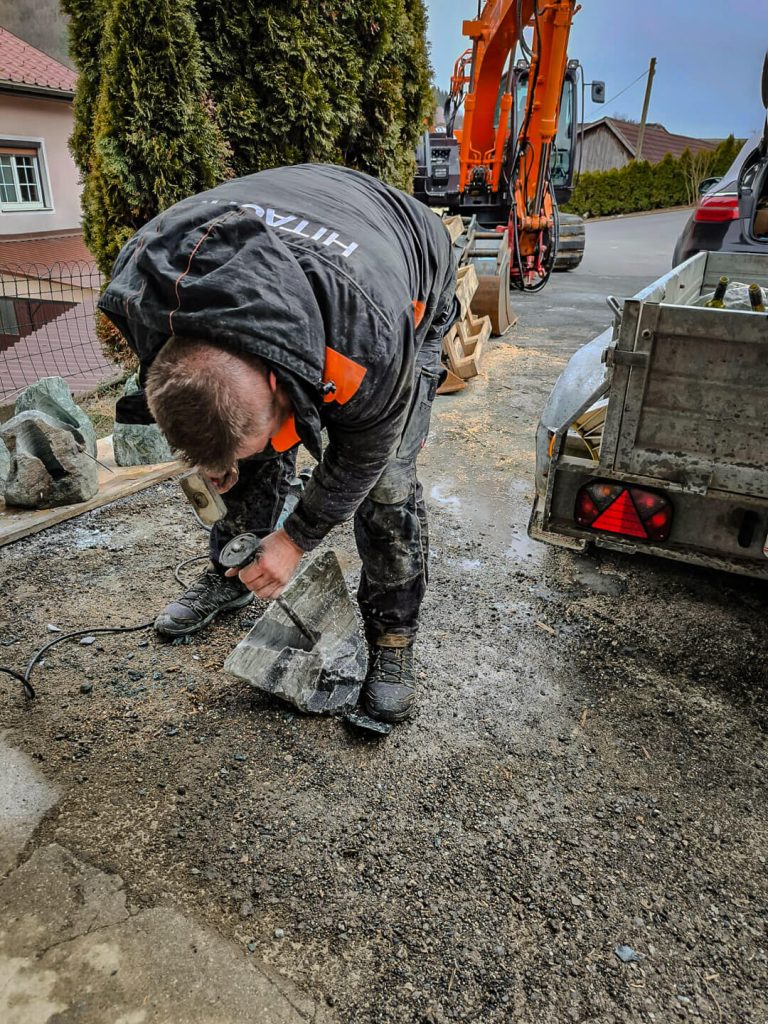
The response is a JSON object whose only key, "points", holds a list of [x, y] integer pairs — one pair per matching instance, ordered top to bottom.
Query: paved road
{"points": [[636, 245], [621, 257]]}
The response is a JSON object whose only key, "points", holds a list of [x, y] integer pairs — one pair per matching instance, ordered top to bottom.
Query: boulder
{"points": [[51, 395], [139, 444], [49, 465]]}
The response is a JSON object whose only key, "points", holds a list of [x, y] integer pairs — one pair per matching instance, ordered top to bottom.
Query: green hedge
{"points": [[644, 186]]}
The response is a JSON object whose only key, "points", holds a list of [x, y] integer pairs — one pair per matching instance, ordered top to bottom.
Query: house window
{"points": [[20, 179]]}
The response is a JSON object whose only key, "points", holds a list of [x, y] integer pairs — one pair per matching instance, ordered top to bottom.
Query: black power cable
{"points": [[29, 690]]}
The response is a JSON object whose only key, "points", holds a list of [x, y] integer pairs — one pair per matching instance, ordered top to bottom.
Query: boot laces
{"points": [[208, 591], [394, 664]]}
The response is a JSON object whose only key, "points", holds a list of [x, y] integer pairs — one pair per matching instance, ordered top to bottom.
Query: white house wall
{"points": [[31, 119]]}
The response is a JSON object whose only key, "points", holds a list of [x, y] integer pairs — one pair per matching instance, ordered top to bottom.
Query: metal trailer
{"points": [[666, 412]]}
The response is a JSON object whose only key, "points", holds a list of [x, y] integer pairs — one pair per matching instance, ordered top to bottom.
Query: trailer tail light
{"points": [[717, 209], [626, 511]]}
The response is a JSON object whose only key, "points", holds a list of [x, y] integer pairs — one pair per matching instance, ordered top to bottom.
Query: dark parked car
{"points": [[732, 214]]}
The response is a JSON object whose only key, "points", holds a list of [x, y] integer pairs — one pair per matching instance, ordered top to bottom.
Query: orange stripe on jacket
{"points": [[419, 309], [345, 374], [286, 437]]}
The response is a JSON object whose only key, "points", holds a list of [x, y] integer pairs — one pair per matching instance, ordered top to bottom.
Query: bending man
{"points": [[271, 307]]}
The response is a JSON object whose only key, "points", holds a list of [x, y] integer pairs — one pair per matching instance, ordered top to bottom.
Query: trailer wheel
{"points": [[570, 249]]}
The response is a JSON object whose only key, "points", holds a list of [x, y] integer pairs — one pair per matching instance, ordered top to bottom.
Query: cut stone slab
{"points": [[52, 396], [138, 444], [48, 464], [277, 658], [25, 797], [72, 949]]}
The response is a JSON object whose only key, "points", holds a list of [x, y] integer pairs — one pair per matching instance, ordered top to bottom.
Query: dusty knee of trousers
{"points": [[395, 484]]}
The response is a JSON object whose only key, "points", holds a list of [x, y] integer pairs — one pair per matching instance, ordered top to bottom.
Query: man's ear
{"points": [[272, 381]]}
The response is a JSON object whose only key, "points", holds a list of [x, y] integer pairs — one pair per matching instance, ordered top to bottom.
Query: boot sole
{"points": [[238, 602]]}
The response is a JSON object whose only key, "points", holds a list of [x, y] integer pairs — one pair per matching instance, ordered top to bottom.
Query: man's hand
{"points": [[223, 483], [269, 575]]}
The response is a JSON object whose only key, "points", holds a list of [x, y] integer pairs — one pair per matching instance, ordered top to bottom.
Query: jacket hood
{"points": [[210, 268]]}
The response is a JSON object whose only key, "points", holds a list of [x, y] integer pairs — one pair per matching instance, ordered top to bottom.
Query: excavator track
{"points": [[571, 239]]}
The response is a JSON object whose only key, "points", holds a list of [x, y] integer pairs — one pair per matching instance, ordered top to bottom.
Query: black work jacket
{"points": [[329, 276]]}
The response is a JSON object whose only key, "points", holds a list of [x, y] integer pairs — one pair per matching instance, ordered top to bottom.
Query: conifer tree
{"points": [[86, 30], [284, 78], [395, 95], [155, 140]]}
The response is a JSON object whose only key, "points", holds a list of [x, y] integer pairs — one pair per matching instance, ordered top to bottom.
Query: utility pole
{"points": [[646, 101]]}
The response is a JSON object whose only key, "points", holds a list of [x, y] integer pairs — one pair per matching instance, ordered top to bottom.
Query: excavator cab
{"points": [[437, 154], [563, 161]]}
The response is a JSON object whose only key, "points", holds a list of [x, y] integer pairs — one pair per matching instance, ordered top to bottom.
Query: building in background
{"points": [[612, 143], [39, 186], [49, 283]]}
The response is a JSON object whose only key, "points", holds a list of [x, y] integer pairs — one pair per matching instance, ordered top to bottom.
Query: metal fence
{"points": [[48, 327]]}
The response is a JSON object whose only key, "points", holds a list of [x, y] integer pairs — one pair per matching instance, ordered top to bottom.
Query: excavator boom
{"points": [[504, 153]]}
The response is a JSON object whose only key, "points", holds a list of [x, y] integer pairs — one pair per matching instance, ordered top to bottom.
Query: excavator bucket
{"points": [[488, 252]]}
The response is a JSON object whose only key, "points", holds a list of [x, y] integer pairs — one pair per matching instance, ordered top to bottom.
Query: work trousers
{"points": [[391, 528]]}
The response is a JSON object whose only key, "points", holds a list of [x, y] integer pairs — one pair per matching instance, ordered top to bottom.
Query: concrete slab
{"points": [[25, 796], [72, 950]]}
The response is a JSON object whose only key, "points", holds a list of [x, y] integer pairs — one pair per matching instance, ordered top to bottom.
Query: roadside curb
{"points": [[636, 213]]}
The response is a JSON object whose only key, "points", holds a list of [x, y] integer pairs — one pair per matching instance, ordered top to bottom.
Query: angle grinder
{"points": [[245, 549]]}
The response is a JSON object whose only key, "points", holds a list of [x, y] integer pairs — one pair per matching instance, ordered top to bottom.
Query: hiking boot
{"points": [[202, 602], [390, 686]]}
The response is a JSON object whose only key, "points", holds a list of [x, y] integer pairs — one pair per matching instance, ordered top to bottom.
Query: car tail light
{"points": [[717, 209], [626, 511]]}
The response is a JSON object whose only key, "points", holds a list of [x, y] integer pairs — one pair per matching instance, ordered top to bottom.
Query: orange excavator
{"points": [[513, 157]]}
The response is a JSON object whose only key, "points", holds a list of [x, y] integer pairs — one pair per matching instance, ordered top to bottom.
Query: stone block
{"points": [[51, 396], [139, 444], [49, 464], [277, 658]]}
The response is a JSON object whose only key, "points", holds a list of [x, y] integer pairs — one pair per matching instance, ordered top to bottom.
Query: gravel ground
{"points": [[586, 770]]}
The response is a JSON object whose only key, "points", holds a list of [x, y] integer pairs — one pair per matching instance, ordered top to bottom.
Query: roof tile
{"points": [[22, 64], [657, 141]]}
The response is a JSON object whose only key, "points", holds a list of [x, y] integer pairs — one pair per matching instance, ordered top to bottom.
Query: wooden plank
{"points": [[454, 226], [466, 286], [473, 332], [452, 349], [462, 364], [451, 384], [122, 481]]}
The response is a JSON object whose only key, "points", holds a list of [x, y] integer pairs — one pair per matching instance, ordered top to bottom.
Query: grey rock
{"points": [[52, 396], [138, 444], [5, 464], [49, 466], [277, 658]]}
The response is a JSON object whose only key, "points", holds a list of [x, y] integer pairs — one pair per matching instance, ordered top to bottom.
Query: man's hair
{"points": [[196, 393]]}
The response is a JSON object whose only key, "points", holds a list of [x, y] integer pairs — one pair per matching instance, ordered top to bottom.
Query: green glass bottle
{"points": [[756, 298], [717, 300]]}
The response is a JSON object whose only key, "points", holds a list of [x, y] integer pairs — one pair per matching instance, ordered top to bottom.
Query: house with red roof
{"points": [[611, 142], [39, 187]]}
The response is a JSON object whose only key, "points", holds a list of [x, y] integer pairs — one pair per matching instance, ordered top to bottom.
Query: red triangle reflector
{"points": [[621, 517]]}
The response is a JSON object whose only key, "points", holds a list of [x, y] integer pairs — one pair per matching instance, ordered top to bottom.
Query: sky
{"points": [[709, 58]]}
